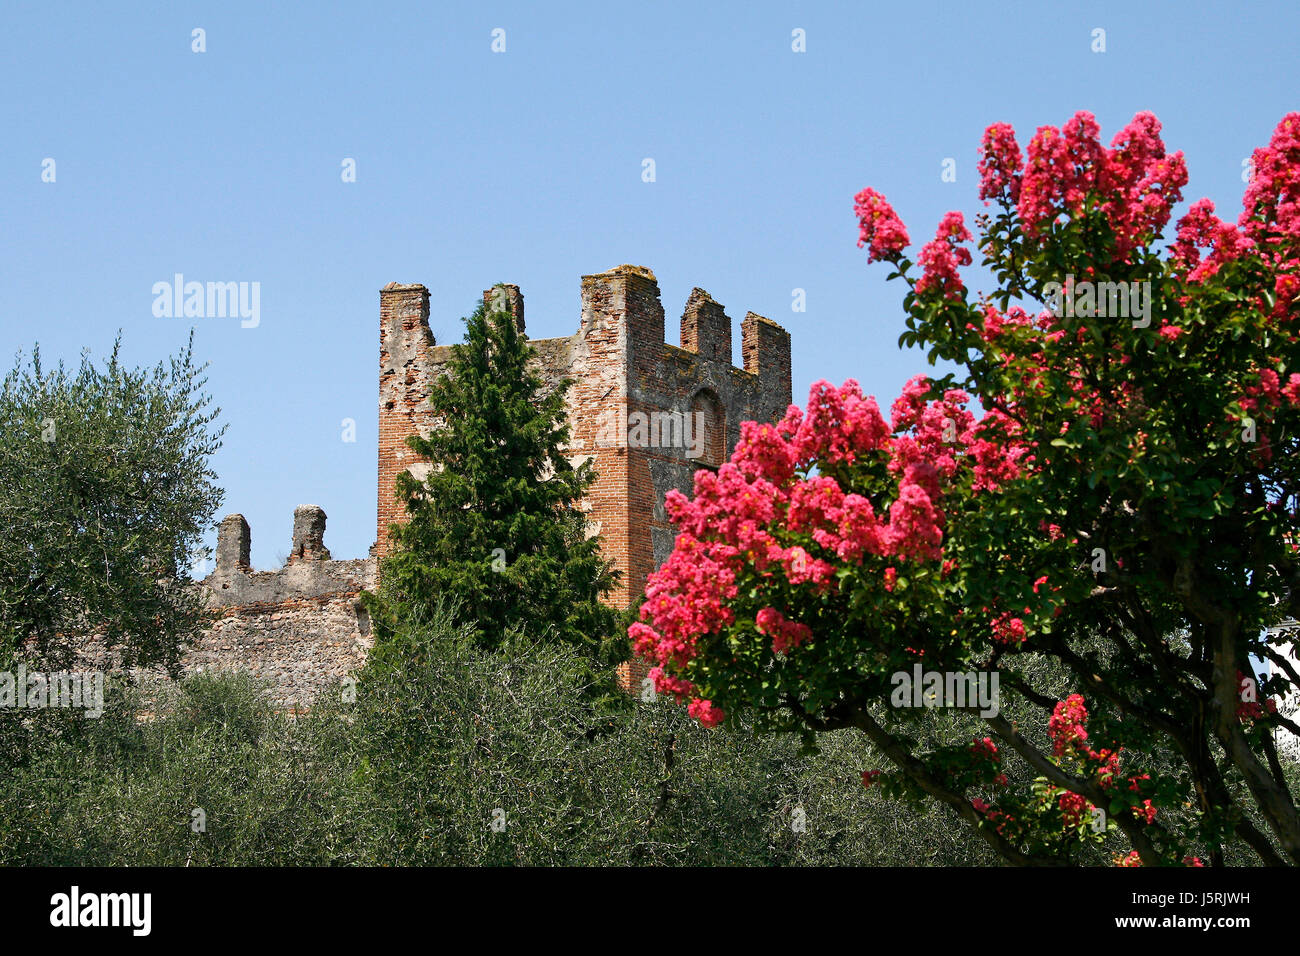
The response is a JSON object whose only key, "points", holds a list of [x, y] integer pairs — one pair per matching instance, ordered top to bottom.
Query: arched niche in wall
{"points": [[708, 428]]}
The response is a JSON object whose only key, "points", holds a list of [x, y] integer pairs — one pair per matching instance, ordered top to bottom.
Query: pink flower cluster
{"points": [[1001, 164], [1060, 170], [1133, 182], [1142, 183], [1272, 200], [1271, 216], [1269, 225], [879, 227], [1201, 229], [942, 256], [995, 322], [1291, 391], [1265, 394], [1262, 398], [841, 425], [939, 429], [997, 453], [779, 509], [844, 525], [685, 598], [1008, 630], [785, 634], [666, 683], [1248, 710], [705, 712], [1066, 725], [1069, 737], [986, 748], [1108, 761], [1073, 807], [1146, 812], [1002, 819], [1132, 859]]}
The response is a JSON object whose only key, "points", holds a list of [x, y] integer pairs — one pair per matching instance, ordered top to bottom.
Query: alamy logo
{"points": [[212, 300], [1128, 300], [652, 430], [946, 689], [36, 690], [103, 909]]}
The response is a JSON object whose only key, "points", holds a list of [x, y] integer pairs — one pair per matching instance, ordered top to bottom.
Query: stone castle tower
{"points": [[649, 414]]}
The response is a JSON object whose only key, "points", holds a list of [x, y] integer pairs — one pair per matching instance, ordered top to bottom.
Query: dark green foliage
{"points": [[105, 492], [497, 525], [443, 733], [123, 789]]}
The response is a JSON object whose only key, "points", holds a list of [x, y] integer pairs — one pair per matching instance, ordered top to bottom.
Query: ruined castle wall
{"points": [[299, 627], [304, 647]]}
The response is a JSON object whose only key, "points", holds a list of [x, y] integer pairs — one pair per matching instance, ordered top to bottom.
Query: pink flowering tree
{"points": [[1099, 507]]}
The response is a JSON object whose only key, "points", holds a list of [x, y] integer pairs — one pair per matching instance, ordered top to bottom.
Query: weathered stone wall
{"points": [[299, 627], [304, 647]]}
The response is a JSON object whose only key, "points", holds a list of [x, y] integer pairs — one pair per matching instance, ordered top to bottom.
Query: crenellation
{"points": [[504, 297], [706, 329], [765, 348], [625, 375], [308, 535], [234, 545], [301, 627]]}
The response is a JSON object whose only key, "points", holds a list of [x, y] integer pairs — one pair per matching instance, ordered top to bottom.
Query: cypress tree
{"points": [[495, 526]]}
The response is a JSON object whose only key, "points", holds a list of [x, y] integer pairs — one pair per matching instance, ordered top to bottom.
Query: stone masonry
{"points": [[300, 628]]}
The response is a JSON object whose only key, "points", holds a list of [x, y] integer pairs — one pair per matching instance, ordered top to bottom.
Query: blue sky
{"points": [[525, 166]]}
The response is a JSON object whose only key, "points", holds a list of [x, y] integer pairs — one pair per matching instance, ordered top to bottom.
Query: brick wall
{"points": [[406, 364]]}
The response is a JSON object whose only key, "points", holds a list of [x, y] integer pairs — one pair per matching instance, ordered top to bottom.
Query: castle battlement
{"points": [[626, 378], [309, 571], [300, 627]]}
